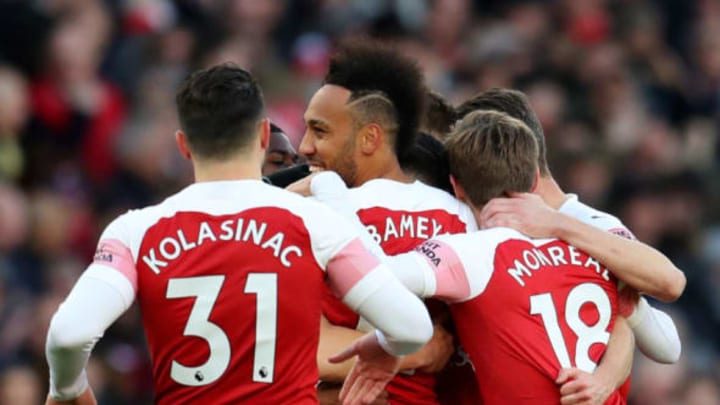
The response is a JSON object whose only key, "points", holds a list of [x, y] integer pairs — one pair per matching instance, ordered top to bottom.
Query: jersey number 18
{"points": [[587, 335]]}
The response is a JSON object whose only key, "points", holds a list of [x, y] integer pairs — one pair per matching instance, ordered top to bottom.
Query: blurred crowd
{"points": [[628, 92]]}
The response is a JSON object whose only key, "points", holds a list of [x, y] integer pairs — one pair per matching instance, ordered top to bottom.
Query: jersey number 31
{"points": [[206, 289]]}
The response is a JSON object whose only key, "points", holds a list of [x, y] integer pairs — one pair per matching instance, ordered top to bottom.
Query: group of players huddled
{"points": [[251, 293]]}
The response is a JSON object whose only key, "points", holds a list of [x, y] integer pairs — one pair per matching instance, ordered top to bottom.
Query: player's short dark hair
{"points": [[386, 87], [515, 104], [219, 109], [438, 117], [492, 154], [427, 161]]}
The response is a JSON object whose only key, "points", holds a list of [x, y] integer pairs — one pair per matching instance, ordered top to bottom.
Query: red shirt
{"points": [[400, 216], [229, 277], [523, 309]]}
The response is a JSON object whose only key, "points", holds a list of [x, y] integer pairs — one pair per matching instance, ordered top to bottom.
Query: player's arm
{"points": [[633, 262], [434, 270], [368, 287], [102, 293], [98, 298], [655, 333], [333, 339], [433, 356], [579, 387], [86, 398]]}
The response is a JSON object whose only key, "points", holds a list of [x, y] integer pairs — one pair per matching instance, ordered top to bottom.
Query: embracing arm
{"points": [[634, 262], [369, 288], [655, 333], [333, 339], [431, 358], [579, 387]]}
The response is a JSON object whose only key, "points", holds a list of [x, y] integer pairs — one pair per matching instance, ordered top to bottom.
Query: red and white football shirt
{"points": [[589, 215], [400, 216], [607, 222], [230, 277], [523, 309]]}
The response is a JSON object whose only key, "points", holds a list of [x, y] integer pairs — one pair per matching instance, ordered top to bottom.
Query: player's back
{"points": [[400, 216], [230, 286], [536, 306]]}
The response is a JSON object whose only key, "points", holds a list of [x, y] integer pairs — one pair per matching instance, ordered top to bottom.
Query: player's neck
{"points": [[233, 169], [383, 169], [550, 192]]}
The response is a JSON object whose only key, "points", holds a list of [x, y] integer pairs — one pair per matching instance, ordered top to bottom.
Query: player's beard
{"points": [[345, 164]]}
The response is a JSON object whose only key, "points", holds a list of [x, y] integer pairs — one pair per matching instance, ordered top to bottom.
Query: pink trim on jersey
{"points": [[113, 253], [349, 266], [451, 280]]}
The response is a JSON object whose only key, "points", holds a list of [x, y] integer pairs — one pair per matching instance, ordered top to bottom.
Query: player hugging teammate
{"points": [[241, 284]]}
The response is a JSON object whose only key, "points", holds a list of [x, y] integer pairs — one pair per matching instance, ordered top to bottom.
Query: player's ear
{"points": [[264, 133], [371, 137], [182, 144], [536, 180], [458, 190]]}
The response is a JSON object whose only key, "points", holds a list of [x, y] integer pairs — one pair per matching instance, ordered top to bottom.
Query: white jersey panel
{"points": [[415, 196], [589, 215], [329, 232]]}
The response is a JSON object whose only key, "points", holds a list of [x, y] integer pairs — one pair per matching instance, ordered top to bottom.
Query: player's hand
{"points": [[302, 186], [524, 212], [628, 298], [434, 355], [370, 374], [579, 387], [330, 396], [86, 398]]}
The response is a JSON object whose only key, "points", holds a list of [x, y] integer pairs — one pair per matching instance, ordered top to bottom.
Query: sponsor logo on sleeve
{"points": [[624, 232], [428, 249], [103, 254]]}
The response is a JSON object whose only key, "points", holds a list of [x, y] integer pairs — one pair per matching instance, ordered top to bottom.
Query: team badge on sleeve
{"points": [[624, 232]]}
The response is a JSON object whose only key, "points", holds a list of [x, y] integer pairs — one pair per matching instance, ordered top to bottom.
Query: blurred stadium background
{"points": [[628, 92]]}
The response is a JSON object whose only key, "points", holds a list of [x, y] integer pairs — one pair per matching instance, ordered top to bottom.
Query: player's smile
{"points": [[316, 166]]}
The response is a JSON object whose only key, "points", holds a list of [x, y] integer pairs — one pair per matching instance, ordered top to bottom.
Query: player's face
{"points": [[329, 139], [280, 154]]}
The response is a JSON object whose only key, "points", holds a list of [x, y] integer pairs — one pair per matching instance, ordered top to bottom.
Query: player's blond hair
{"points": [[492, 154]]}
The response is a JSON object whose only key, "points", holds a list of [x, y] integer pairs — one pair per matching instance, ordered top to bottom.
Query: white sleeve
{"points": [[329, 189], [414, 272], [368, 287], [98, 298], [399, 315], [655, 333]]}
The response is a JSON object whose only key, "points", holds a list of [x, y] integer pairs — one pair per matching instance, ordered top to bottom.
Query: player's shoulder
{"points": [[406, 196], [435, 196], [219, 198], [585, 213], [480, 241], [472, 253]]}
